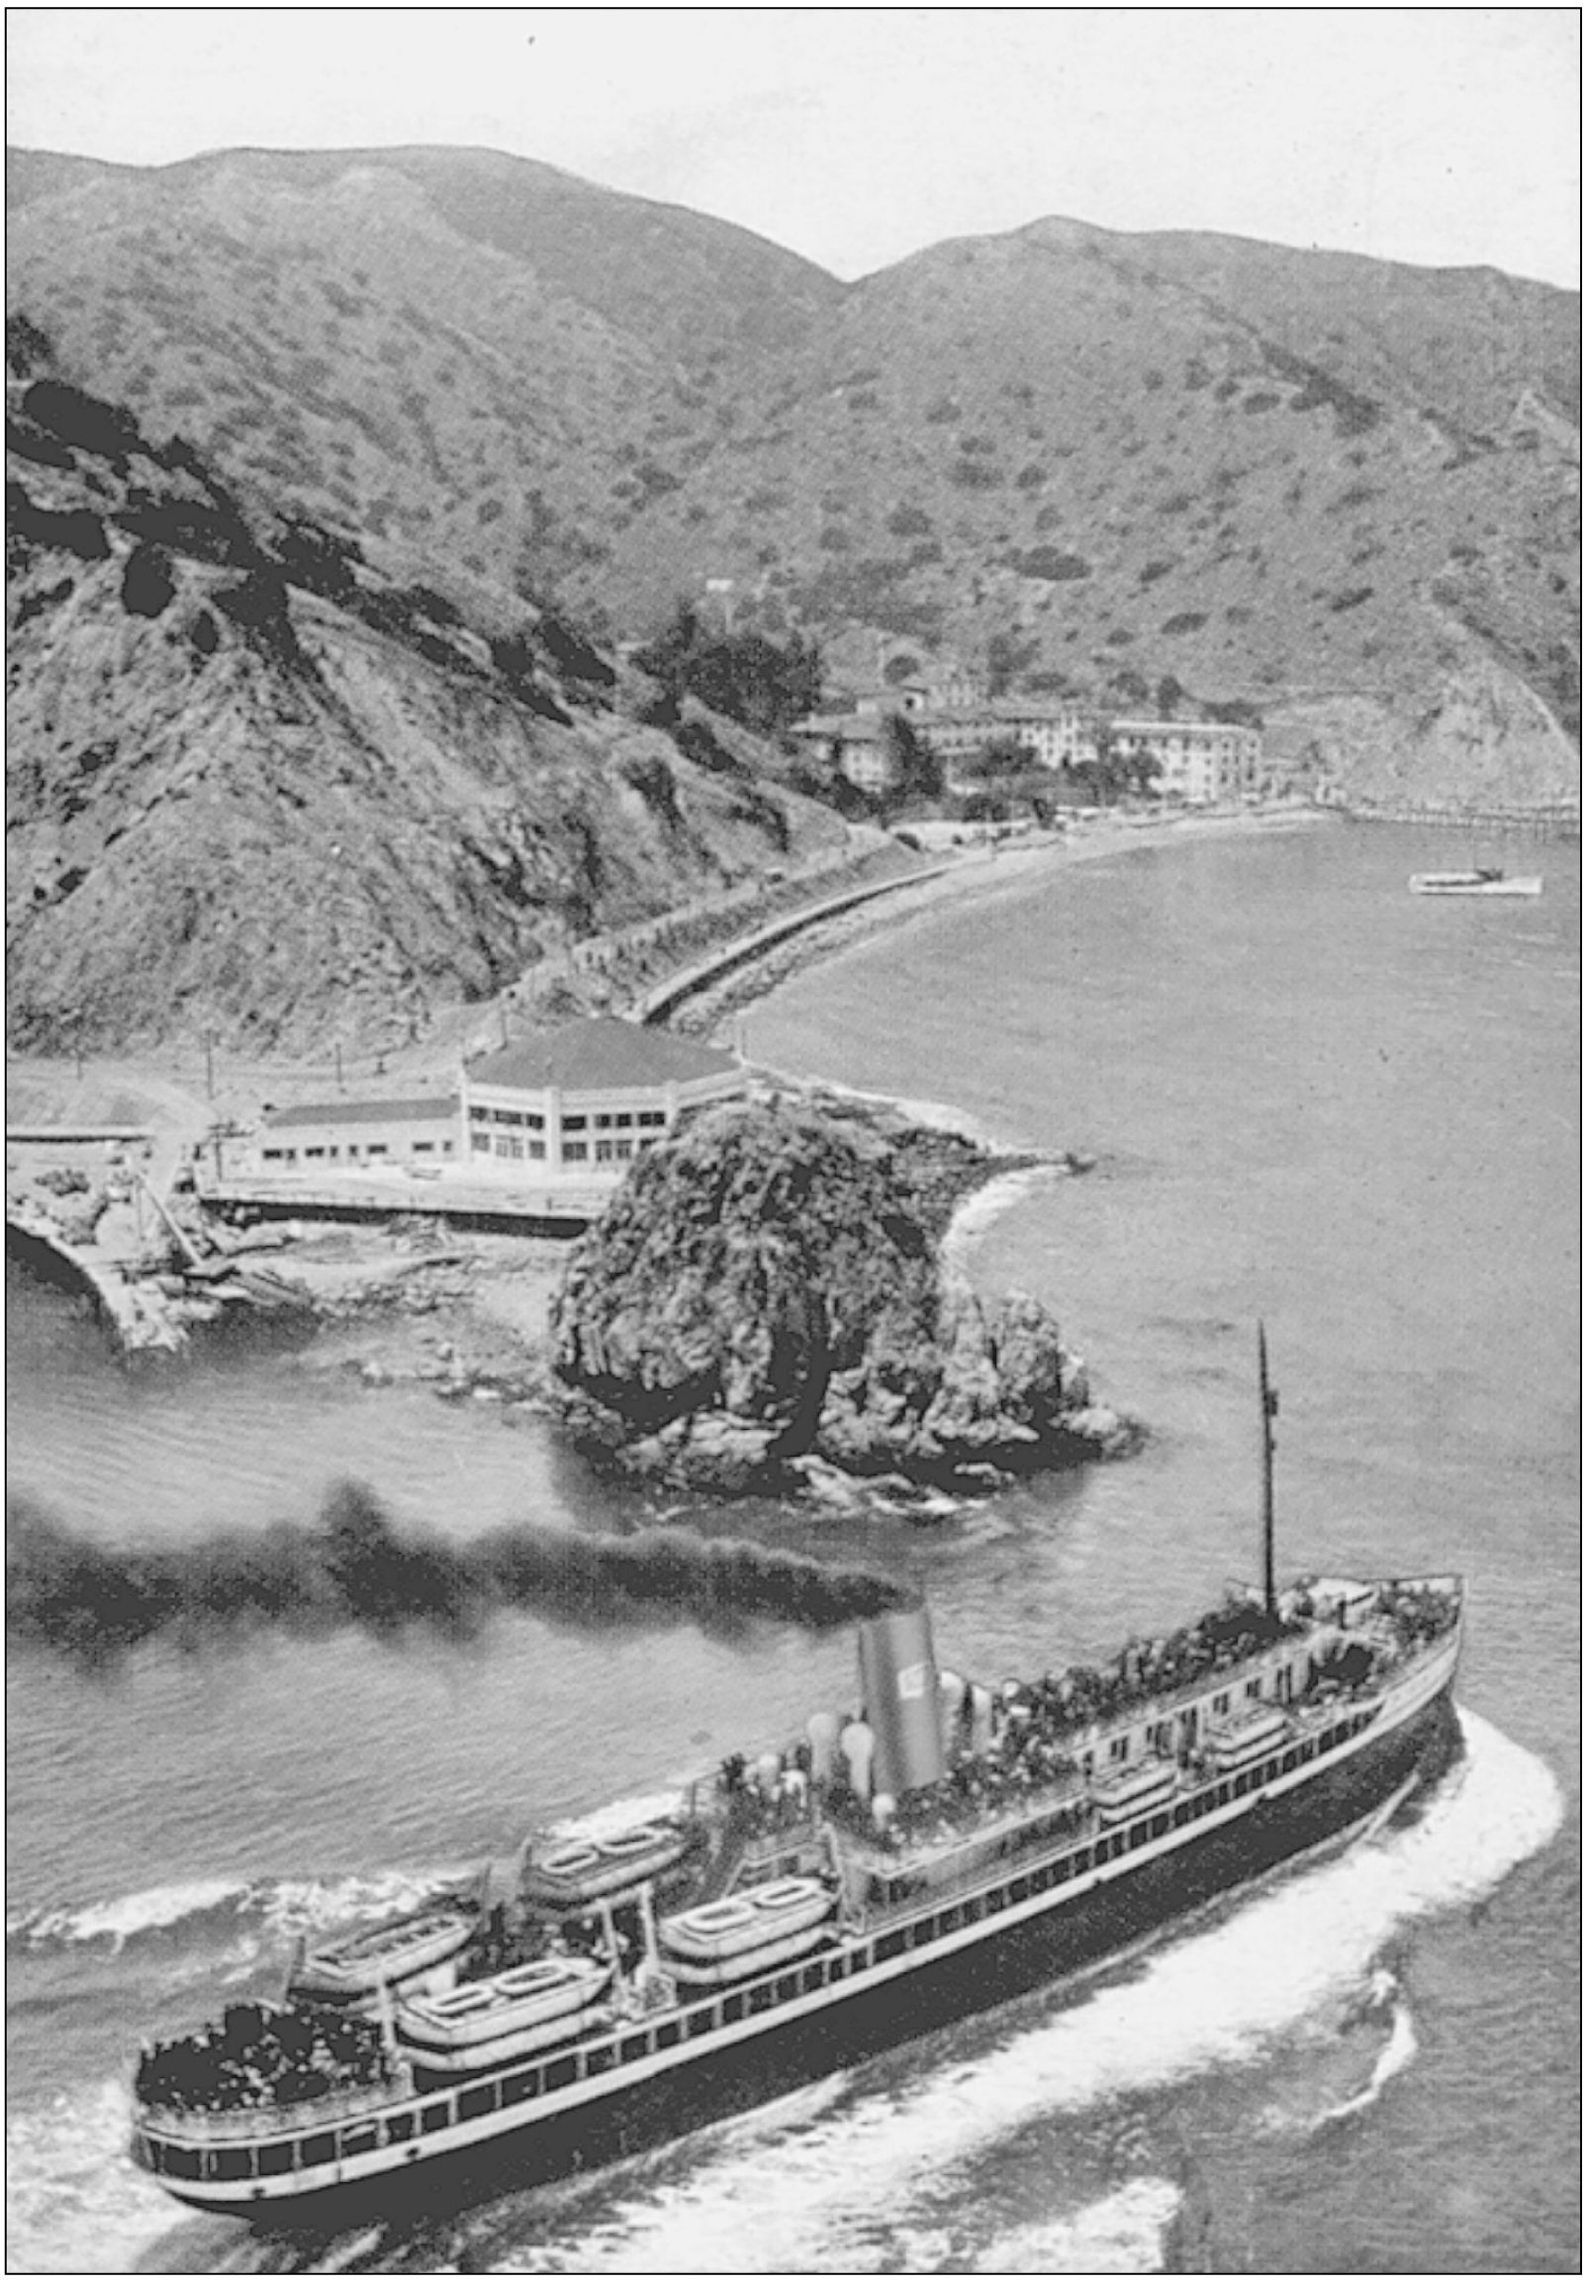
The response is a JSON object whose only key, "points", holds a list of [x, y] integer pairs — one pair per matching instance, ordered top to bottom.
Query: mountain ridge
{"points": [[436, 392]]}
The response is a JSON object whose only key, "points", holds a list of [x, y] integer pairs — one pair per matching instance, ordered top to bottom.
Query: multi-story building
{"points": [[858, 745], [1196, 762], [587, 1098], [581, 1101]]}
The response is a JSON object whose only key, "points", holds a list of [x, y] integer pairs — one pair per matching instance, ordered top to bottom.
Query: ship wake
{"points": [[893, 2150]]}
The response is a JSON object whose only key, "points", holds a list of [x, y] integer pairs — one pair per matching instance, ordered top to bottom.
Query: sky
{"points": [[856, 136]]}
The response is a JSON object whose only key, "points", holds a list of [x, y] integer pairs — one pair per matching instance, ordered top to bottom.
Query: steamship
{"points": [[949, 1846]]}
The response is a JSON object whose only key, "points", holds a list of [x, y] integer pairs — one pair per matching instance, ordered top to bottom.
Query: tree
{"points": [[763, 684], [916, 771]]}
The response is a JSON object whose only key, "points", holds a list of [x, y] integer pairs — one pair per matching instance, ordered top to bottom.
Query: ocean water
{"points": [[1313, 1098]]}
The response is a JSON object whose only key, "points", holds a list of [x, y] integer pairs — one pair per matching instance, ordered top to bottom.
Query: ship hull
{"points": [[1080, 1932]]}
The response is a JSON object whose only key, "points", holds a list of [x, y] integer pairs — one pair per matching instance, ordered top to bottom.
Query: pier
{"points": [[562, 1210]]}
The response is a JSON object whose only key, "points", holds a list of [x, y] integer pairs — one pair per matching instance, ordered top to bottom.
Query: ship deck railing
{"points": [[244, 2122]]}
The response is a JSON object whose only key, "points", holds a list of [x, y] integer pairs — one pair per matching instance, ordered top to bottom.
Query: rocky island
{"points": [[766, 1301]]}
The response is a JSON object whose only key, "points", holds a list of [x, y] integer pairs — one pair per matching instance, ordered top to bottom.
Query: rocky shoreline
{"points": [[768, 1304]]}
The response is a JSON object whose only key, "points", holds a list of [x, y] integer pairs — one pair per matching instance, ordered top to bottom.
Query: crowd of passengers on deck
{"points": [[1032, 1745], [260, 2056]]}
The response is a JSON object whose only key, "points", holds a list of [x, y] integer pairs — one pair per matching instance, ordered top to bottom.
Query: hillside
{"points": [[1121, 463], [260, 792]]}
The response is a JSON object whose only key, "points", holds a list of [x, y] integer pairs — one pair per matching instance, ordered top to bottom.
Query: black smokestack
{"points": [[354, 1568]]}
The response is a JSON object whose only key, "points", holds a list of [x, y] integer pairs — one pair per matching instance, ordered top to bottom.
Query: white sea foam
{"points": [[976, 1214], [618, 1816], [303, 1907], [282, 1908], [143, 1912], [1216, 1997], [1399, 2050], [74, 2200], [1121, 2235]]}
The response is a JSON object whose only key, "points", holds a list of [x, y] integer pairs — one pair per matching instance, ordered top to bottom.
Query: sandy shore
{"points": [[1007, 869], [470, 1313]]}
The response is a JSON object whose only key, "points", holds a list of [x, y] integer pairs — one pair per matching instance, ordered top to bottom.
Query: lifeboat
{"points": [[1244, 1739], [1148, 1786], [579, 1872], [736, 1936], [399, 1952], [517, 2013]]}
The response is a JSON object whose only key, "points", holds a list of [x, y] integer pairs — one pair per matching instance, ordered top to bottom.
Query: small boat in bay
{"points": [[1477, 881], [885, 1873]]}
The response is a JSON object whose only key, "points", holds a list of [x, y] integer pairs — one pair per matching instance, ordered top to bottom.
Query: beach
{"points": [[468, 1314]]}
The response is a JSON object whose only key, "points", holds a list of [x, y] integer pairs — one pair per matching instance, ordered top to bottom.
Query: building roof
{"points": [[600, 1052], [375, 1111]]}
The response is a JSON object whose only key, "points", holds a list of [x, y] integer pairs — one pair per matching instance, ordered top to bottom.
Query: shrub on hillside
{"points": [[79, 419], [1050, 563], [146, 582], [1185, 623]]}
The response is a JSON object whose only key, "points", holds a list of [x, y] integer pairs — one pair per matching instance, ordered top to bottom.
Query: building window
{"points": [[479, 1116], [509, 1118], [604, 1118], [623, 1118], [653, 1118], [535, 1120], [574, 1125], [481, 1143], [447, 1146], [509, 1146], [536, 1146], [623, 1147], [423, 1149], [314, 1150], [375, 1150], [576, 1150], [604, 1151], [275, 1154], [1119, 1749]]}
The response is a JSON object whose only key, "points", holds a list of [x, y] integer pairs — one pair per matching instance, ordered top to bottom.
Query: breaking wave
{"points": [[353, 1567], [220, 1909], [1399, 2050]]}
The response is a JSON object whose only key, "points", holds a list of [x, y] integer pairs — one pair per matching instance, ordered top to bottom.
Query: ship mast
{"points": [[1268, 1406]]}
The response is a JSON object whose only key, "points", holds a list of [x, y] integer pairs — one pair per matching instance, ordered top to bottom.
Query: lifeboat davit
{"points": [[578, 1872], [740, 1934], [399, 1952], [517, 2013]]}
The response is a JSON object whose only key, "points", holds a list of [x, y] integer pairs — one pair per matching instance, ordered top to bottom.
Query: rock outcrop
{"points": [[765, 1297]]}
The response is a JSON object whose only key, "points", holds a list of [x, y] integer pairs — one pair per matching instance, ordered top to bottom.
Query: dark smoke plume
{"points": [[353, 1568]]}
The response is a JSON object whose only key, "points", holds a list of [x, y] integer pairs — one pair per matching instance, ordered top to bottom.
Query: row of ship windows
{"points": [[264, 2161]]}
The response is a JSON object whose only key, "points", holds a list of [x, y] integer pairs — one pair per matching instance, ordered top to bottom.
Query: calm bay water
{"points": [[1314, 1098]]}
